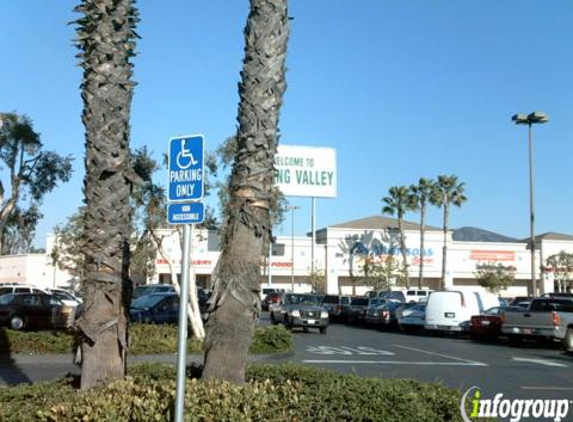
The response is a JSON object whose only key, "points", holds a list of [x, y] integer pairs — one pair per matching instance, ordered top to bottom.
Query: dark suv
{"points": [[336, 305], [300, 310]]}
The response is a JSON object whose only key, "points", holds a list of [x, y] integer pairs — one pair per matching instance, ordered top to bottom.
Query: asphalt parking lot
{"points": [[530, 371]]}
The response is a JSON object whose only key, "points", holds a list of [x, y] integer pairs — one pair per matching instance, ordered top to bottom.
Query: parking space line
{"points": [[392, 362], [473, 362], [541, 362]]}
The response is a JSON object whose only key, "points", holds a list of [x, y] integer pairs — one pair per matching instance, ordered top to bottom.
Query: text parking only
{"points": [[186, 168]]}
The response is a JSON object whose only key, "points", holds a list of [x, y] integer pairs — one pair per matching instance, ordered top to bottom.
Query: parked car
{"points": [[20, 288], [151, 288], [267, 290], [392, 294], [417, 295], [563, 295], [66, 296], [271, 298], [520, 302], [337, 306], [359, 306], [162, 308], [406, 309], [33, 310], [452, 310], [300, 311], [382, 315], [546, 318], [413, 319], [487, 324]]}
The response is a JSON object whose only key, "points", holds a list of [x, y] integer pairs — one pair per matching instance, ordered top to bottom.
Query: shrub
{"points": [[145, 339], [272, 339], [272, 393]]}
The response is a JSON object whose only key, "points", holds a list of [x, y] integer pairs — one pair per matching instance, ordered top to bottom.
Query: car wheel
{"points": [[273, 320], [17, 322], [322, 330], [568, 340]]}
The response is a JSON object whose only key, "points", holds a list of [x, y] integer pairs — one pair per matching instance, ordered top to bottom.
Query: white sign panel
{"points": [[306, 171]]}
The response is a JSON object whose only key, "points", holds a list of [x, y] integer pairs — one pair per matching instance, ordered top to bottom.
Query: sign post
{"points": [[185, 184]]}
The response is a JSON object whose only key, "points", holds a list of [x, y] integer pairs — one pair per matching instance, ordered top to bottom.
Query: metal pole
{"points": [[532, 212], [313, 237], [292, 249], [269, 280], [182, 333]]}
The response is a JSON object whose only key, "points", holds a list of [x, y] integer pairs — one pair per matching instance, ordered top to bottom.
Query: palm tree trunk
{"points": [[106, 35], [422, 239], [445, 248], [403, 250], [235, 302]]}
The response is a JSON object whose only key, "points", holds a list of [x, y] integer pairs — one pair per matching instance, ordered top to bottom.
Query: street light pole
{"points": [[529, 120], [292, 209]]}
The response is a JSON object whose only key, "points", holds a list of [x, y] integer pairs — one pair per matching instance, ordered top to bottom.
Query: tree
{"points": [[106, 38], [224, 156], [33, 173], [448, 191], [421, 194], [399, 201], [247, 228], [20, 230], [67, 251], [562, 266], [379, 274], [495, 277], [317, 280]]}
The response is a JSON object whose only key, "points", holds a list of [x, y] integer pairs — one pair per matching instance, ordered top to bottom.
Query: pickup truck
{"points": [[546, 318]]}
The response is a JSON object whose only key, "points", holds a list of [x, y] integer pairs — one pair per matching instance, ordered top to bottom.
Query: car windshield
{"points": [[6, 299], [331, 299], [301, 300], [147, 301], [360, 301], [376, 302], [492, 311]]}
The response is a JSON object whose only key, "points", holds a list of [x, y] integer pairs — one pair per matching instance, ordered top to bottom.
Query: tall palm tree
{"points": [[106, 37], [448, 191], [421, 193], [398, 202], [246, 234]]}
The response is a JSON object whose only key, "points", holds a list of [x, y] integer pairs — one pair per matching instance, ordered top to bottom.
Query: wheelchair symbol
{"points": [[185, 158]]}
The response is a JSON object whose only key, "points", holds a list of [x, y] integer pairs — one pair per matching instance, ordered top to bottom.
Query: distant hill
{"points": [[474, 234]]}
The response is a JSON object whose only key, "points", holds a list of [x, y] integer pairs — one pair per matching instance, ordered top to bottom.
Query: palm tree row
{"points": [[442, 192]]}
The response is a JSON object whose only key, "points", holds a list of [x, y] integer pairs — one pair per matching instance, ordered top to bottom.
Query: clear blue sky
{"points": [[401, 89]]}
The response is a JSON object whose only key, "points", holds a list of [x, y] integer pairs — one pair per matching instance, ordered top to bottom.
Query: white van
{"points": [[417, 295], [452, 310]]}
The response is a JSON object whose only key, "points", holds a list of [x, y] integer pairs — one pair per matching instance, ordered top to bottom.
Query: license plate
{"points": [[450, 315], [311, 321], [485, 322], [528, 331]]}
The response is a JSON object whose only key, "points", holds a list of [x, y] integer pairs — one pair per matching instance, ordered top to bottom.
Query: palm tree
{"points": [[106, 37], [448, 191], [421, 194], [398, 202], [246, 233]]}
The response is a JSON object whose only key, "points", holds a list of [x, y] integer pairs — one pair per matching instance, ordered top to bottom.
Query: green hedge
{"points": [[146, 339], [273, 393]]}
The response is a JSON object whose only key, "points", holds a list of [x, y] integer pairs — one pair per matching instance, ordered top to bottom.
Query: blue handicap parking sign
{"points": [[186, 168], [185, 213]]}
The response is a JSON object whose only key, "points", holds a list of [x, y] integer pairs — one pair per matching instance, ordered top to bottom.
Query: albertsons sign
{"points": [[306, 171]]}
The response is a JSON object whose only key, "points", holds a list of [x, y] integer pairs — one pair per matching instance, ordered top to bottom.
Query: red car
{"points": [[486, 325]]}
